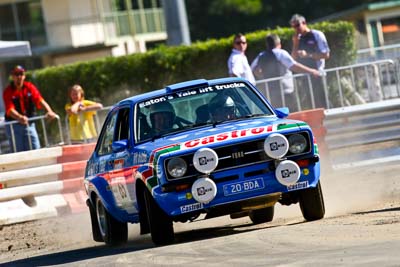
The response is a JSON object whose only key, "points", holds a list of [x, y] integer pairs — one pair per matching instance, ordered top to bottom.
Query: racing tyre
{"points": [[312, 203], [262, 215], [95, 225], [161, 226], [112, 231]]}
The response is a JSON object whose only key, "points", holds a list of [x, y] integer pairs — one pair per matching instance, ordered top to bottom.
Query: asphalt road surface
{"points": [[361, 228]]}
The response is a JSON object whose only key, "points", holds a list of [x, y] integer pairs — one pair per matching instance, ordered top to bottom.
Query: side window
{"points": [[122, 129], [107, 136]]}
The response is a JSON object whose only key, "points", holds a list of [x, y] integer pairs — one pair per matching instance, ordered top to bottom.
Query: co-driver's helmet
{"points": [[222, 107]]}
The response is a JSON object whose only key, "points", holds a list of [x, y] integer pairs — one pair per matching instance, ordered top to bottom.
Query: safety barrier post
{"points": [[315, 119]]}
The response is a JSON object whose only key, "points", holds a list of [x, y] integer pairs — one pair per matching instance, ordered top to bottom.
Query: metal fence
{"points": [[378, 53], [342, 86], [98, 119], [45, 132], [363, 135]]}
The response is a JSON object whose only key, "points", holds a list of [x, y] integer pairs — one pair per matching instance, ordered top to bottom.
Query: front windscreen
{"points": [[196, 107]]}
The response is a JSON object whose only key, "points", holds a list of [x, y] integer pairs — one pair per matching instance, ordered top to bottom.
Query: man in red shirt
{"points": [[21, 100]]}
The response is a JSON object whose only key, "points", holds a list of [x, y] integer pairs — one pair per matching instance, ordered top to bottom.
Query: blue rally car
{"points": [[198, 148]]}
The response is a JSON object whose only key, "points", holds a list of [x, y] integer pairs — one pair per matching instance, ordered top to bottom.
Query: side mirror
{"points": [[282, 112], [120, 145]]}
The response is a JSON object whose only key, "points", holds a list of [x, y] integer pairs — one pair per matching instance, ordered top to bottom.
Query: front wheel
{"points": [[312, 203], [262, 215], [94, 222], [161, 226], [112, 231]]}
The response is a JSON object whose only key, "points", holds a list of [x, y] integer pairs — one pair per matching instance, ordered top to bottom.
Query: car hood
{"points": [[229, 132]]}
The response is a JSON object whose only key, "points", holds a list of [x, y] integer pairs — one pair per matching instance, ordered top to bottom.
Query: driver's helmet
{"points": [[222, 107], [162, 116]]}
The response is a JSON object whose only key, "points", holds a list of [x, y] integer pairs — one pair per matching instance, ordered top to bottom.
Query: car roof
{"points": [[179, 86]]}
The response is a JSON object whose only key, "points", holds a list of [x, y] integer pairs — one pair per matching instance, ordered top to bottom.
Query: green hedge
{"points": [[110, 79]]}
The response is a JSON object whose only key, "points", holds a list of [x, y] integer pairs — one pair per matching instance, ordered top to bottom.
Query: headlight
{"points": [[297, 143], [176, 167]]}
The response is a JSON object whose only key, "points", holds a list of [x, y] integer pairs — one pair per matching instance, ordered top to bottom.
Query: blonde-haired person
{"points": [[80, 116]]}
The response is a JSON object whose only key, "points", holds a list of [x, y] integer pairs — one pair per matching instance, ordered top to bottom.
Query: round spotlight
{"points": [[276, 146], [205, 160]]}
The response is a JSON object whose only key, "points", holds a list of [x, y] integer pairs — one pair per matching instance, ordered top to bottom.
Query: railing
{"points": [[132, 22], [375, 53], [343, 86], [98, 118], [42, 119], [363, 135]]}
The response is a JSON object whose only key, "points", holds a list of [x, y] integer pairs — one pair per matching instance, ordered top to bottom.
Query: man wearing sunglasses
{"points": [[310, 48], [238, 65], [21, 99]]}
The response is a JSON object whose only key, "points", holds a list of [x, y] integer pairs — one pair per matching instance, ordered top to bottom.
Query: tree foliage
{"points": [[247, 7], [221, 18]]}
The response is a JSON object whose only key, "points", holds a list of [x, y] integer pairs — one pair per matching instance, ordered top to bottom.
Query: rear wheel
{"points": [[312, 203], [262, 215], [161, 226], [112, 231]]}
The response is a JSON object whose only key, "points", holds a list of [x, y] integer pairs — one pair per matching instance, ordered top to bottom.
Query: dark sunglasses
{"points": [[296, 25], [240, 42], [19, 74]]}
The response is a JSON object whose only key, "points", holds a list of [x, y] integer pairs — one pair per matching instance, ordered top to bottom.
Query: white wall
{"points": [[56, 16], [72, 23]]}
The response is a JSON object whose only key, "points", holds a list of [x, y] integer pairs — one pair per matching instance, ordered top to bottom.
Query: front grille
{"points": [[241, 154], [238, 155]]}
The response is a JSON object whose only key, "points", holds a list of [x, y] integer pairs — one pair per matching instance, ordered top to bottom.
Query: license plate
{"points": [[243, 187]]}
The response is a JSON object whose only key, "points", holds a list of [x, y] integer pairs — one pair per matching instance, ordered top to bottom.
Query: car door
{"points": [[122, 179]]}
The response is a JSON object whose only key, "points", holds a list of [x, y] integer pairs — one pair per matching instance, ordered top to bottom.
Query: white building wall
{"points": [[56, 16], [73, 23], [89, 29]]}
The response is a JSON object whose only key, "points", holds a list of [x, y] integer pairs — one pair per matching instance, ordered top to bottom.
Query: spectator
{"points": [[310, 48], [277, 62], [238, 64], [21, 99], [80, 112]]}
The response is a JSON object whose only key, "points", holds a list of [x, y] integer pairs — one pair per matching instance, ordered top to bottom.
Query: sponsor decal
{"points": [[189, 92], [153, 101], [236, 134], [275, 146], [139, 157], [205, 160], [118, 164], [102, 166], [306, 171], [286, 173], [297, 186], [120, 190], [201, 191], [185, 196], [191, 207]]}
